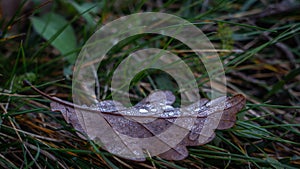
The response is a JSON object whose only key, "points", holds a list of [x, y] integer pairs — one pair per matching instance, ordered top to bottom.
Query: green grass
{"points": [[265, 69]]}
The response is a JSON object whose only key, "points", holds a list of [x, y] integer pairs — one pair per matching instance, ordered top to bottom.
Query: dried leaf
{"points": [[165, 115], [151, 117]]}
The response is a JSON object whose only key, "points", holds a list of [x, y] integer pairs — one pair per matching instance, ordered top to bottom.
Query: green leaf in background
{"points": [[84, 7], [55, 28]]}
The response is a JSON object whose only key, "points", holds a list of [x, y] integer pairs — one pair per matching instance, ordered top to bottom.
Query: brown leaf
{"points": [[167, 115], [151, 118]]}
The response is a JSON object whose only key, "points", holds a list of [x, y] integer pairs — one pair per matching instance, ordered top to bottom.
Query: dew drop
{"points": [[143, 111]]}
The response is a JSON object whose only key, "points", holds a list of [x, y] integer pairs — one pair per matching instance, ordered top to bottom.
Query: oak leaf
{"points": [[153, 116]]}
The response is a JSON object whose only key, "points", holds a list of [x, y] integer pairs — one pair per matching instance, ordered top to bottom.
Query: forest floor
{"points": [[257, 42]]}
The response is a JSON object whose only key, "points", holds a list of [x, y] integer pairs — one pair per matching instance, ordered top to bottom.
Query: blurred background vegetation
{"points": [[258, 42]]}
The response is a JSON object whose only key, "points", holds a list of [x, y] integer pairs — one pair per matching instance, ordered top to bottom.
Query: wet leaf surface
{"points": [[151, 118]]}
